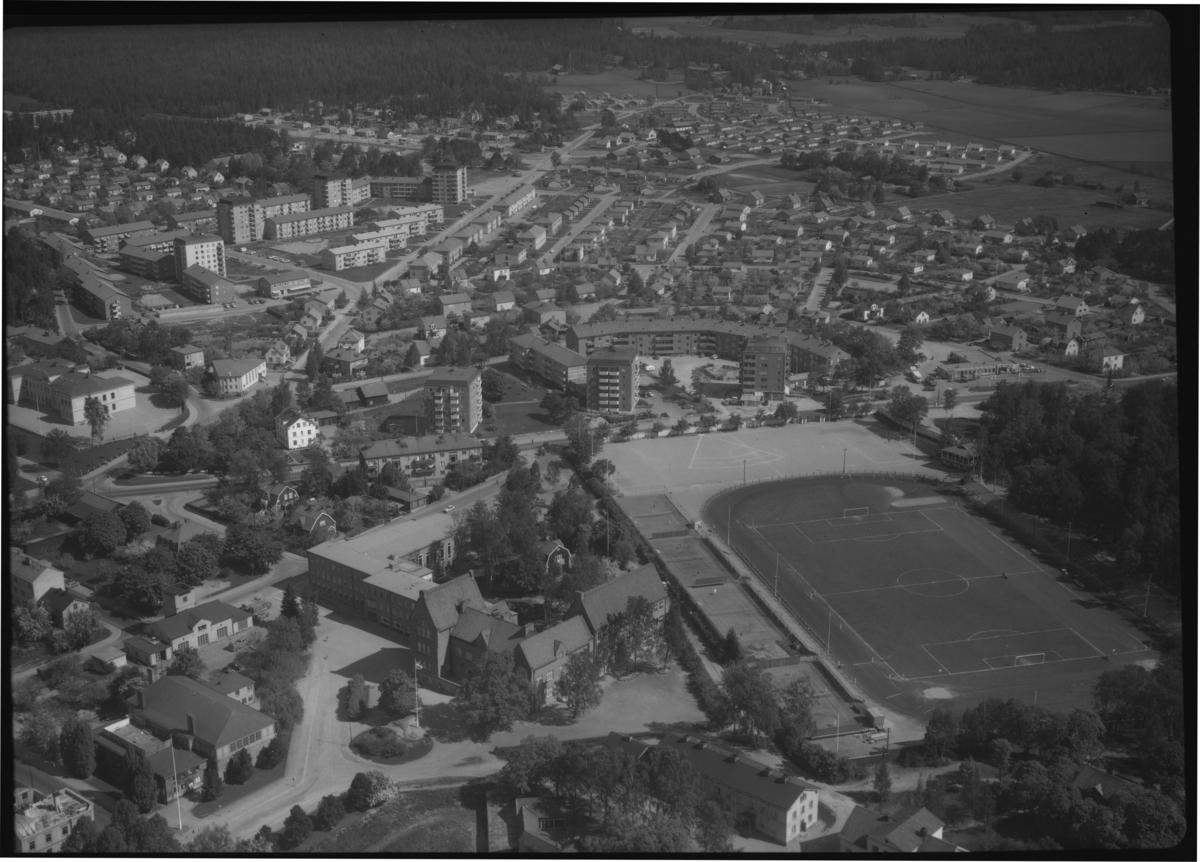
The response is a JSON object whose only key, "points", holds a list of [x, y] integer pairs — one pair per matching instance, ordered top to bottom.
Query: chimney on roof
{"points": [[141, 699], [191, 724], [922, 832]]}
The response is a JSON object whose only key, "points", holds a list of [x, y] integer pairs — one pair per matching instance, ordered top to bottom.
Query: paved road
{"points": [[699, 226], [576, 229], [820, 285]]}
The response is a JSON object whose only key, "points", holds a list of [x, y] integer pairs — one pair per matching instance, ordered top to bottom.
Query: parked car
{"points": [[448, 509]]}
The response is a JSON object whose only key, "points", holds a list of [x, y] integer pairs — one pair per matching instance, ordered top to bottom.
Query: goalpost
{"points": [[862, 510], [1031, 658]]}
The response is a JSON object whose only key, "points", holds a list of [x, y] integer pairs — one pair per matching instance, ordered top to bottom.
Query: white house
{"points": [[295, 430]]}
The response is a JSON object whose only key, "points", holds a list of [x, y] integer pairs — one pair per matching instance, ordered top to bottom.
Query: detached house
{"points": [[909, 830]]}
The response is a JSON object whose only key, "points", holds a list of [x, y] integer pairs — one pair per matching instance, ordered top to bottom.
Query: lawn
{"points": [[934, 26], [1008, 202], [235, 792], [418, 821]]}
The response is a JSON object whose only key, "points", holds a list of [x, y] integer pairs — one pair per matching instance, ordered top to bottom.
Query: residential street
{"points": [[696, 231]]}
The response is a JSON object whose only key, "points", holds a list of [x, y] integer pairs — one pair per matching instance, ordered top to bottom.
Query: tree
{"points": [[911, 338], [667, 375], [493, 385], [175, 391], [949, 400], [835, 404], [559, 407], [907, 407], [787, 411], [96, 414], [585, 441], [57, 446], [145, 455], [569, 517], [135, 518], [103, 533], [253, 548], [194, 563], [32, 623], [80, 626], [733, 646], [187, 663], [127, 681], [579, 683], [398, 693], [494, 695], [358, 697], [752, 698], [796, 723], [41, 732], [941, 733], [76, 747], [1001, 751], [271, 754], [529, 764], [240, 767], [882, 782], [213, 783], [140, 786], [369, 789], [330, 811], [296, 829], [714, 829], [82, 839], [211, 840], [110, 841]]}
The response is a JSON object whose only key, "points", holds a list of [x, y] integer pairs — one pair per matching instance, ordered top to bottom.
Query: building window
{"points": [[202, 640]]}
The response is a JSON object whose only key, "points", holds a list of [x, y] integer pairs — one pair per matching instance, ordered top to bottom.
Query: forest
{"points": [[1118, 57], [1148, 254], [30, 279], [1106, 461]]}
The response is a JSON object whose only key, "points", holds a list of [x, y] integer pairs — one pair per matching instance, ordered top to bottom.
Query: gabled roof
{"points": [[25, 567], [608, 599], [59, 600], [445, 600], [183, 624], [499, 635], [541, 649], [229, 682], [219, 720], [741, 773]]}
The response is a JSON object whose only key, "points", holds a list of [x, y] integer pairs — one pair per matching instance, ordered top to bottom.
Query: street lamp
{"points": [[843, 461]]}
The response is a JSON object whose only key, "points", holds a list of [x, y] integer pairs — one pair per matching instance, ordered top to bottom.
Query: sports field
{"points": [[921, 600]]}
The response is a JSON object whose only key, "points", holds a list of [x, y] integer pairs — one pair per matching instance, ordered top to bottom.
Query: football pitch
{"points": [[912, 591]]}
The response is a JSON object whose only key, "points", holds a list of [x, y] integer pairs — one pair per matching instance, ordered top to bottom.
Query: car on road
{"points": [[516, 173], [448, 509]]}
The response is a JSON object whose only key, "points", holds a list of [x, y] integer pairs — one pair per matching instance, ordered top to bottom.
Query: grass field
{"points": [[932, 26], [1097, 127], [1008, 202], [911, 592]]}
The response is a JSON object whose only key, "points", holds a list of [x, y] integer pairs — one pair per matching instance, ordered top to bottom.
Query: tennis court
{"points": [[886, 572]]}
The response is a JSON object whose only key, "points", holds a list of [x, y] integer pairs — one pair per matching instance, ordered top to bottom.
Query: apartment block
{"points": [[449, 183], [402, 188], [331, 190], [517, 201], [419, 218], [244, 219], [201, 221], [310, 222], [108, 239], [205, 250], [350, 256], [277, 285], [207, 287], [552, 362], [765, 367], [235, 376], [612, 381], [455, 398]]}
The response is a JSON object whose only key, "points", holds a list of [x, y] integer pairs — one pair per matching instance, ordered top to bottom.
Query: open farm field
{"points": [[933, 26], [618, 82], [1083, 125], [1008, 202]]}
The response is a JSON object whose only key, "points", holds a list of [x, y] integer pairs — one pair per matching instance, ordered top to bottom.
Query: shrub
{"points": [[379, 742], [272, 754], [240, 768], [369, 789], [296, 829]]}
